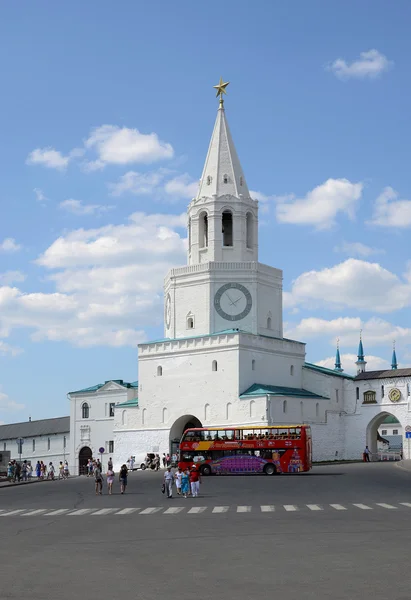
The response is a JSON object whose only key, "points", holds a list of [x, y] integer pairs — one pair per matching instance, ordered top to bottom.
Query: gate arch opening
{"points": [[179, 427], [373, 437], [84, 455]]}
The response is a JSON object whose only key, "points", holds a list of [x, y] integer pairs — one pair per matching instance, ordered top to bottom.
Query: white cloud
{"points": [[370, 65], [122, 146], [48, 157], [138, 184], [182, 186], [40, 196], [320, 206], [77, 207], [389, 211], [9, 245], [357, 249], [9, 277], [105, 279], [355, 284], [375, 331], [7, 349], [374, 363], [9, 405]]}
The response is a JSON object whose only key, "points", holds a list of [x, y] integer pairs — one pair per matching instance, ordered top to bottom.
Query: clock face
{"points": [[233, 301], [168, 311], [394, 395]]}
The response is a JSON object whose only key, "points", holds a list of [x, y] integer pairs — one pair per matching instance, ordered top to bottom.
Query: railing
{"points": [[386, 455]]}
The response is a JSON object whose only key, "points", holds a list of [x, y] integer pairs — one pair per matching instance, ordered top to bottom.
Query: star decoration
{"points": [[221, 88]]}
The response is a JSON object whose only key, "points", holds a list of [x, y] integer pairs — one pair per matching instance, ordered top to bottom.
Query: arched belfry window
{"points": [[227, 228], [203, 230], [249, 230], [190, 322], [268, 322], [214, 365], [159, 371], [85, 410]]}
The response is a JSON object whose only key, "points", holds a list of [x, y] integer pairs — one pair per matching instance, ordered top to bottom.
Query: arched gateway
{"points": [[179, 427], [372, 435], [83, 456]]}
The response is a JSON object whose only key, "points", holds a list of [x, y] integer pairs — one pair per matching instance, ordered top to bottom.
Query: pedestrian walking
{"points": [[366, 455], [164, 460], [168, 460], [157, 462], [110, 464], [24, 469], [41, 469], [38, 470], [61, 470], [66, 470], [10, 471], [30, 471], [51, 471], [17, 472], [177, 477], [98, 478], [123, 478], [110, 480], [195, 480], [168, 482], [185, 483]]}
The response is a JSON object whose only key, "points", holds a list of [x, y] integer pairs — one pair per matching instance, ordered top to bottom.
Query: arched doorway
{"points": [[179, 427], [374, 440], [84, 455]]}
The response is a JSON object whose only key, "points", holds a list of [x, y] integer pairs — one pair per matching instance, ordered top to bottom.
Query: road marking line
{"points": [[408, 504], [383, 505], [338, 506], [363, 506], [290, 507], [314, 507], [267, 508], [197, 509], [220, 509], [243, 509], [151, 510], [173, 510], [81, 511], [104, 511], [126, 511], [13, 512], [34, 512], [54, 513]]}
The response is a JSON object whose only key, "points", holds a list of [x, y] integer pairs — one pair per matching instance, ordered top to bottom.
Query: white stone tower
{"points": [[224, 286]]}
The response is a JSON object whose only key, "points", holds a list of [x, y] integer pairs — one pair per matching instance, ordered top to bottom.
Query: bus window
{"points": [[298, 432], [229, 434], [238, 434], [266, 454]]}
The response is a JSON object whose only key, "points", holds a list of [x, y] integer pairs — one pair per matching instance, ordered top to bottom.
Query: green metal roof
{"points": [[327, 371], [94, 388], [259, 389], [128, 403], [390, 419]]}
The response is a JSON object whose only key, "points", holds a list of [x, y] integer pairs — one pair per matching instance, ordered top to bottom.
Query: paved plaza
{"points": [[342, 530]]}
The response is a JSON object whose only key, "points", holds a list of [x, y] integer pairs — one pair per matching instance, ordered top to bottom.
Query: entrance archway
{"points": [[179, 427], [373, 436], [84, 455]]}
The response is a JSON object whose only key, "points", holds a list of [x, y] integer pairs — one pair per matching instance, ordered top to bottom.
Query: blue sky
{"points": [[105, 117]]}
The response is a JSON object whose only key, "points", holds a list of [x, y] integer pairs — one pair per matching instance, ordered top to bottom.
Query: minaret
{"points": [[222, 218], [338, 359], [361, 362], [394, 363]]}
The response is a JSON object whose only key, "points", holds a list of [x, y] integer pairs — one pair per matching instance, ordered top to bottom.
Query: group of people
{"points": [[17, 471], [97, 471], [187, 482]]}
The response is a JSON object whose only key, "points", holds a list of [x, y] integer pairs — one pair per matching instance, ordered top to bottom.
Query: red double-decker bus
{"points": [[241, 450]]}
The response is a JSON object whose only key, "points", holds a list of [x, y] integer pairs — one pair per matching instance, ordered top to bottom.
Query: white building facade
{"points": [[223, 360]]}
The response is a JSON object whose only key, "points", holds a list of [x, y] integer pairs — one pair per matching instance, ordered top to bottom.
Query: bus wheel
{"points": [[269, 469], [205, 470]]}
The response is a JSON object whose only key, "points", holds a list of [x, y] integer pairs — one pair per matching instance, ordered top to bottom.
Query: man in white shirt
{"points": [[168, 482]]}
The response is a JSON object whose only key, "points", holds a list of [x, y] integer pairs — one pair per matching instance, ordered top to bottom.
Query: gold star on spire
{"points": [[221, 90]]}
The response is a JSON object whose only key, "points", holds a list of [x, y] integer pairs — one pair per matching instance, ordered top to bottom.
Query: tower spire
{"points": [[222, 173], [338, 358], [361, 362], [394, 363]]}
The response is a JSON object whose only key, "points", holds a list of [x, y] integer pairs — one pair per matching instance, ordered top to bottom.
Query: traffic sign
{"points": [[408, 428], [408, 434], [20, 442], [101, 450]]}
